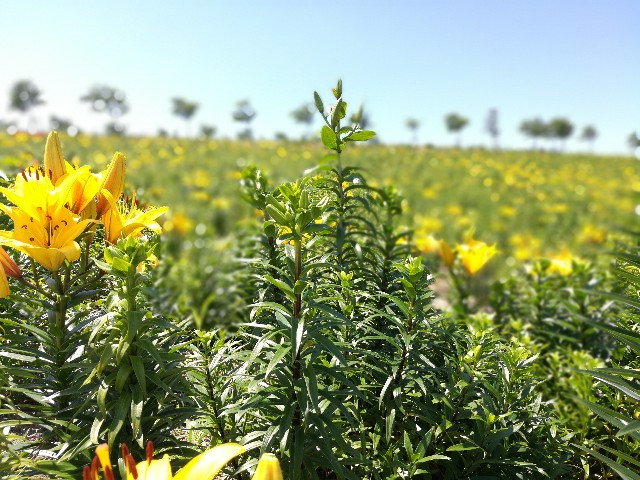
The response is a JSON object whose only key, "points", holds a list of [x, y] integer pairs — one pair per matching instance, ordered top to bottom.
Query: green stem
{"points": [[462, 293], [132, 306], [58, 318], [296, 372], [210, 390]]}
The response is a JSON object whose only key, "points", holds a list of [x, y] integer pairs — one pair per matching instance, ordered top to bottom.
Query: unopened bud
{"points": [[53, 159], [112, 181], [9, 266]]}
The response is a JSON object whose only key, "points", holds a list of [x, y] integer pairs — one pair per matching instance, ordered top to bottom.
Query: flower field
{"points": [[342, 308]]}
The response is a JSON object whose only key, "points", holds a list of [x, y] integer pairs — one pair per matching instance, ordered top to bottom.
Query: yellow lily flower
{"points": [[84, 187], [119, 223], [48, 241], [475, 254], [202, 467], [268, 468]]}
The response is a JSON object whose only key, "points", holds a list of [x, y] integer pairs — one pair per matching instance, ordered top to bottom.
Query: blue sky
{"points": [[422, 59]]}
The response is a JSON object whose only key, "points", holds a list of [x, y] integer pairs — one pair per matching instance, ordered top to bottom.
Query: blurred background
{"points": [[549, 74]]}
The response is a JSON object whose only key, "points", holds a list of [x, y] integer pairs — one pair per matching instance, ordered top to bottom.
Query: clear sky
{"points": [[414, 58]]}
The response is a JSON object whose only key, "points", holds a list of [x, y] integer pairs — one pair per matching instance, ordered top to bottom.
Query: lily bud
{"points": [[53, 159], [112, 181], [446, 253], [10, 267], [268, 468]]}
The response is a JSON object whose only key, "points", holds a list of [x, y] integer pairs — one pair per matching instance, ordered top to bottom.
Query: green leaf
{"points": [[318, 102], [360, 136], [328, 138], [284, 287], [281, 352], [138, 369], [123, 374], [123, 404], [137, 404], [389, 421], [631, 427], [94, 434], [462, 447], [624, 472]]}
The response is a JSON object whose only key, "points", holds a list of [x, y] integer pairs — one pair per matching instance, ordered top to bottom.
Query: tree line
{"points": [[25, 96]]}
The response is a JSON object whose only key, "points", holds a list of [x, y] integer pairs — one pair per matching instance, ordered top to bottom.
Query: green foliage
{"points": [[343, 368], [623, 376]]}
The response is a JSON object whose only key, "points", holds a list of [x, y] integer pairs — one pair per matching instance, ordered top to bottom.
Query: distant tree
{"points": [[23, 97], [113, 101], [184, 109], [244, 113], [304, 115], [455, 124], [62, 125], [413, 125], [491, 126], [115, 128], [560, 128], [535, 129], [208, 131], [589, 134], [281, 136], [633, 140]]}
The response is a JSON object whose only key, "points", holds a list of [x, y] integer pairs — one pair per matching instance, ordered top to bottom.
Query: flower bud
{"points": [[53, 159], [112, 181], [10, 267], [268, 468]]}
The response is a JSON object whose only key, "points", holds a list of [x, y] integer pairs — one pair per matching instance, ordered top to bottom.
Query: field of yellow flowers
{"points": [[530, 204], [289, 310]]}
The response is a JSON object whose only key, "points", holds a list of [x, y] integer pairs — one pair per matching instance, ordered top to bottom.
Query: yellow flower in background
{"points": [[128, 221], [179, 223], [592, 234], [426, 243], [446, 253], [474, 254], [561, 264], [202, 467], [268, 468]]}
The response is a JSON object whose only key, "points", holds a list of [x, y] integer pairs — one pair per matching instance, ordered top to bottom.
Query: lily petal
{"points": [[207, 465], [155, 470]]}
